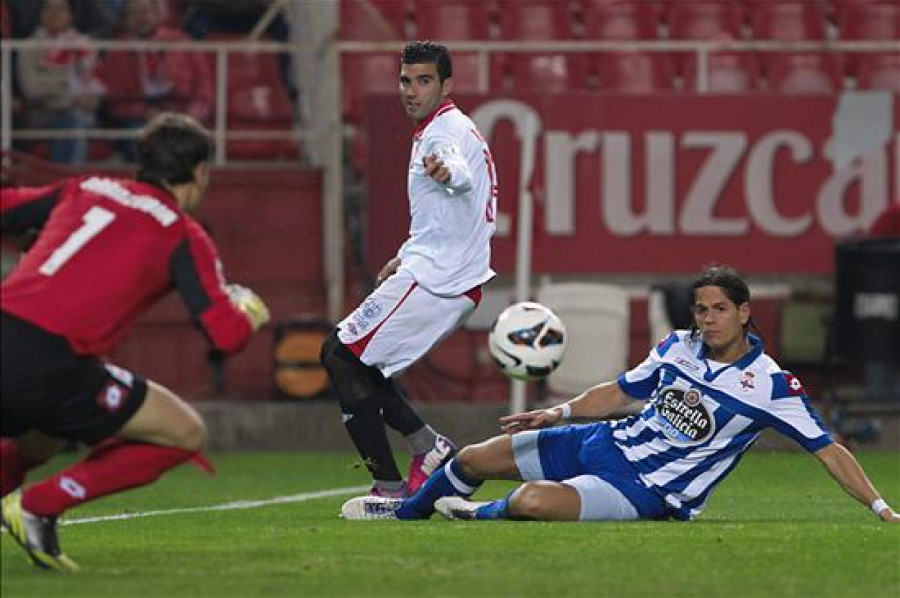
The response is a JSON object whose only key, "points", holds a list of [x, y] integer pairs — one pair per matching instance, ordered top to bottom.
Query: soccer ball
{"points": [[527, 341]]}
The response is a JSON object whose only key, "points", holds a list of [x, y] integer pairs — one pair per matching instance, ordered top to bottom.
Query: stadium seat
{"points": [[372, 20], [452, 20], [530, 20], [618, 20], [709, 20], [787, 20], [869, 20], [702, 21], [466, 71], [878, 71], [376, 72], [635, 72], [727, 72], [553, 73], [803, 73], [362, 74], [257, 100], [597, 323]]}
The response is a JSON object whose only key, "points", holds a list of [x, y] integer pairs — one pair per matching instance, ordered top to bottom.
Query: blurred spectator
{"points": [[94, 17], [203, 18], [141, 84], [58, 85]]}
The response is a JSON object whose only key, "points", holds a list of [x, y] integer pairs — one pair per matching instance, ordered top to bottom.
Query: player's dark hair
{"points": [[429, 52], [170, 147], [732, 284]]}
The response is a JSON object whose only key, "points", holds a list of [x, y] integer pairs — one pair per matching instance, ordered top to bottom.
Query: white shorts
{"points": [[400, 321]]}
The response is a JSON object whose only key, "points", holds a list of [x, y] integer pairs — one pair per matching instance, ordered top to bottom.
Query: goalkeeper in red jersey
{"points": [[107, 250]]}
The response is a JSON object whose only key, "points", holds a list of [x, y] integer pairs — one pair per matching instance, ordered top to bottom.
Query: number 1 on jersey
{"points": [[93, 221]]}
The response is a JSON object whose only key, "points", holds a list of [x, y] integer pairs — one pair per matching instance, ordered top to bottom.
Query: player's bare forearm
{"points": [[387, 270], [601, 401], [597, 402], [844, 468]]}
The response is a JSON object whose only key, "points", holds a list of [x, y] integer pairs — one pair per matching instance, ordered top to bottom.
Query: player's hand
{"points": [[435, 168], [389, 268], [250, 303], [530, 420], [887, 514]]}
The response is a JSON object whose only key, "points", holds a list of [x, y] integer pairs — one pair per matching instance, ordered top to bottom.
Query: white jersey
{"points": [[448, 250], [700, 419]]}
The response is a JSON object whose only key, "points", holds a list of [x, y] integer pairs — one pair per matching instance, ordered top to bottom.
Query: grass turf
{"points": [[778, 526]]}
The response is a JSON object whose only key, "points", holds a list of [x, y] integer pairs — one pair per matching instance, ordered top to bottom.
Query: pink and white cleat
{"points": [[425, 464], [378, 491]]}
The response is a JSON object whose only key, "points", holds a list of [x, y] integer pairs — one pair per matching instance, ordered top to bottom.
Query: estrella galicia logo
{"points": [[683, 416]]}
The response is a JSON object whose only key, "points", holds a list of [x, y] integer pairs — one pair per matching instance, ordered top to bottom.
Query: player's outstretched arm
{"points": [[600, 401], [844, 468]]}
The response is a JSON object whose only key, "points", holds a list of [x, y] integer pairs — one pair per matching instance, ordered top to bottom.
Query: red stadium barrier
{"points": [[665, 183]]}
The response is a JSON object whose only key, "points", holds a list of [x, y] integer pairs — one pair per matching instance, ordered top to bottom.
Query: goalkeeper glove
{"points": [[250, 303]]}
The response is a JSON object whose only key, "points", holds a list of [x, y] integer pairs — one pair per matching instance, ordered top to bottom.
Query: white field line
{"points": [[229, 506]]}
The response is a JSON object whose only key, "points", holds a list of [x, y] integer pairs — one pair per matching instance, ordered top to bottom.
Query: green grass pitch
{"points": [[779, 526]]}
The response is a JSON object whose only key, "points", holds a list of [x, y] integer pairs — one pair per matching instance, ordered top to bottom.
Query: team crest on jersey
{"points": [[747, 381], [113, 396], [683, 416]]}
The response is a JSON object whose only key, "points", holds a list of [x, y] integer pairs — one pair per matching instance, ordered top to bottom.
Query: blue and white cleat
{"points": [[370, 507], [456, 507]]}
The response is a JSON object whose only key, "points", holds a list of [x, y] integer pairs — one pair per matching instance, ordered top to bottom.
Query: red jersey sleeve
{"points": [[24, 208], [197, 274]]}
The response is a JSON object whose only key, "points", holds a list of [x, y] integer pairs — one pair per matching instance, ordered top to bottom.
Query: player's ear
{"points": [[447, 86], [201, 173], [744, 313]]}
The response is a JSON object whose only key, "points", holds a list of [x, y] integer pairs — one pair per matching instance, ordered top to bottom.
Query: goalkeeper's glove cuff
{"points": [[250, 303]]}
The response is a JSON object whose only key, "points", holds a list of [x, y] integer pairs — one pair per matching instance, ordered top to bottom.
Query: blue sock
{"points": [[446, 481], [499, 509]]}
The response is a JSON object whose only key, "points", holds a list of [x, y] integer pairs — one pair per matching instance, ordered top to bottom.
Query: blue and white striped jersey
{"points": [[700, 418]]}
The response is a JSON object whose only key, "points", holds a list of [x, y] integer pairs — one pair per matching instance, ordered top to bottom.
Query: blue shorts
{"points": [[567, 452]]}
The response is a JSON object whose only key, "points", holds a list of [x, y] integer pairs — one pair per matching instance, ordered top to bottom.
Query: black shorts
{"points": [[46, 386]]}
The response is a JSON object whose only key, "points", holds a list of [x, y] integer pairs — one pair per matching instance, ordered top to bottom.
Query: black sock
{"points": [[358, 390], [397, 412], [366, 429]]}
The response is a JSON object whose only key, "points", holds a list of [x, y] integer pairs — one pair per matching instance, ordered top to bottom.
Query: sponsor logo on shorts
{"points": [[370, 309], [364, 316], [120, 374], [112, 397], [683, 417]]}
